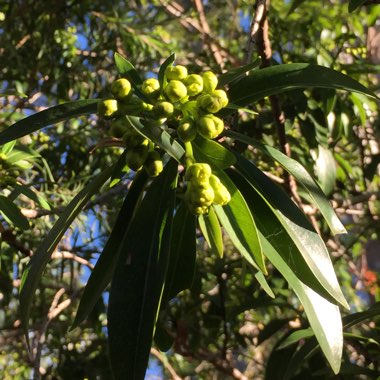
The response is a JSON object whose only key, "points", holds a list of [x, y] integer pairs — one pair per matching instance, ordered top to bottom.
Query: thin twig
{"points": [[165, 363]]}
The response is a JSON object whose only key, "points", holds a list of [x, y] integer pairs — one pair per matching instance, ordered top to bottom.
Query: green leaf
{"points": [[295, 4], [353, 4], [127, 70], [161, 73], [232, 75], [277, 79], [235, 107], [48, 117], [160, 137], [8, 147], [212, 152], [121, 169], [325, 169], [31, 194], [317, 196], [12, 213], [237, 220], [295, 223], [210, 228], [183, 253], [39, 260], [104, 268], [138, 282], [264, 284], [324, 317], [353, 319], [295, 337]]}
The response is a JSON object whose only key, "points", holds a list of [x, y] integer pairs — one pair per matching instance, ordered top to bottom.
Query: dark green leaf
{"points": [[127, 70], [161, 73], [234, 74], [277, 79], [48, 117], [160, 137], [212, 152], [121, 169], [302, 176], [28, 192], [12, 213], [295, 223], [239, 224], [210, 228], [183, 253], [39, 260], [105, 266], [138, 282], [353, 319], [273, 327], [295, 337]]}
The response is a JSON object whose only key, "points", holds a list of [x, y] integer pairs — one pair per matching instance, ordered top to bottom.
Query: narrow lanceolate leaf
{"points": [[127, 70], [161, 73], [276, 79], [48, 117], [155, 133], [212, 152], [292, 166], [325, 169], [31, 194], [12, 213], [237, 220], [295, 223], [210, 228], [183, 253], [39, 260], [105, 266], [138, 282], [264, 283], [324, 317]]}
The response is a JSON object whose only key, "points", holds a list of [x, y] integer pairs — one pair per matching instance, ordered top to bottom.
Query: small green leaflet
{"points": [[210, 228]]}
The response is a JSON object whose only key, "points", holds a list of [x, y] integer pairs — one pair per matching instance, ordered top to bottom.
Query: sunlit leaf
{"points": [[48, 117], [210, 228]]}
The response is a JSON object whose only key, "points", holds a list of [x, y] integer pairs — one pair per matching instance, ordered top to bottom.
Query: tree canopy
{"points": [[189, 189]]}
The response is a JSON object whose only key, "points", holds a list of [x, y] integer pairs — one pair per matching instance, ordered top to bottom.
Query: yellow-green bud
{"points": [[176, 72], [210, 81], [194, 84], [121, 88], [151, 88], [175, 91], [213, 102], [108, 108], [163, 109], [210, 126], [119, 127], [187, 130], [136, 157], [153, 164], [198, 173], [222, 195], [199, 197]]}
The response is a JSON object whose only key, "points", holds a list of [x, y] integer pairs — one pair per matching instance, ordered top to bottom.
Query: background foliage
{"points": [[225, 325]]}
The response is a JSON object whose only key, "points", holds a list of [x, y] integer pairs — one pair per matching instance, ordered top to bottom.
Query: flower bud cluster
{"points": [[204, 189]]}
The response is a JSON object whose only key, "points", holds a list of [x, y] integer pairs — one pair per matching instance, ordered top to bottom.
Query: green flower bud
{"points": [[176, 72], [210, 81], [194, 84], [121, 88], [151, 88], [175, 91], [213, 102], [108, 108], [163, 109], [210, 126], [119, 127], [187, 130], [136, 157], [153, 164], [198, 173], [222, 195], [199, 197]]}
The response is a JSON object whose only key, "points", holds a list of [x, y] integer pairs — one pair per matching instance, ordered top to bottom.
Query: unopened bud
{"points": [[176, 72], [210, 81], [194, 84], [121, 88], [151, 88], [175, 91], [108, 108], [163, 109], [210, 126], [119, 127], [187, 130], [136, 157], [153, 164], [198, 173], [222, 195]]}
